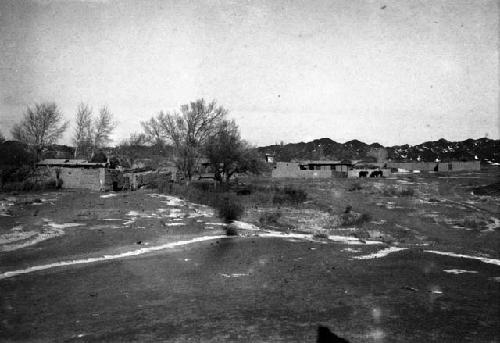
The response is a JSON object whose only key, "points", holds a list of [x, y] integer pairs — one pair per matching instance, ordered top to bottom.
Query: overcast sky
{"points": [[392, 72]]}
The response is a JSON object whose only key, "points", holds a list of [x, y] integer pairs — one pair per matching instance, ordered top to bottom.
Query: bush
{"points": [[356, 186], [393, 191], [407, 192], [289, 195], [229, 209], [270, 218], [354, 219]]}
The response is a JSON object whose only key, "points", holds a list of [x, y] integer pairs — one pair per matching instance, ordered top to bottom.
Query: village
{"points": [[249, 171], [115, 241]]}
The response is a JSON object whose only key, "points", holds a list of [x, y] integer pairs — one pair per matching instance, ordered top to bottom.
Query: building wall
{"points": [[469, 165], [422, 166], [441, 166], [342, 168], [292, 170], [92, 178], [96, 179]]}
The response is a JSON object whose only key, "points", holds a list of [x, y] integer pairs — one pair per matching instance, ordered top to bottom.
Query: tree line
{"points": [[196, 131]]}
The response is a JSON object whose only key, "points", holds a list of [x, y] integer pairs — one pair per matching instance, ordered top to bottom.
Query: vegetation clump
{"points": [[289, 195], [229, 209]]}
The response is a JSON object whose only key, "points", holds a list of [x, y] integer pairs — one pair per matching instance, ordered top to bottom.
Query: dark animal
{"points": [[363, 173], [326, 336]]}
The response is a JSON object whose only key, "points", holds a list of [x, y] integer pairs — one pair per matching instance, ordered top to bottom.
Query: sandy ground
{"points": [[138, 266]]}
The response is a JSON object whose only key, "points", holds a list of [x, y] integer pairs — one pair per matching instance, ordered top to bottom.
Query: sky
{"points": [[392, 72]]}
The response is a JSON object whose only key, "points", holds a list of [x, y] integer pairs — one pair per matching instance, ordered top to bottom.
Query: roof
{"points": [[61, 162], [320, 162]]}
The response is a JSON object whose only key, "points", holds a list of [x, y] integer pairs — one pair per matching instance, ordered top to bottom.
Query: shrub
{"points": [[203, 186], [356, 186], [393, 191], [407, 192], [289, 195], [229, 208], [270, 218], [348, 219], [231, 231], [320, 235]]}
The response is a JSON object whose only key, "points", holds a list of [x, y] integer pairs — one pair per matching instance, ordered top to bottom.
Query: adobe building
{"points": [[452, 166], [310, 169], [82, 174]]}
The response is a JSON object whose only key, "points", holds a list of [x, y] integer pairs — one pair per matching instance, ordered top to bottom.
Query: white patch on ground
{"points": [[110, 195], [169, 200], [391, 205], [4, 207], [175, 213], [111, 219], [175, 224], [222, 224], [64, 225], [493, 225], [243, 226], [345, 229], [16, 234], [277, 234], [310, 237], [18, 239], [352, 240], [351, 250], [131, 253], [380, 253], [479, 258], [459, 271], [233, 275], [495, 278], [436, 291], [377, 335]]}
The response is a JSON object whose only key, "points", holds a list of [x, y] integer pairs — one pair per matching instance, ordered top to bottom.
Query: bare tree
{"points": [[42, 125], [102, 128], [188, 130], [153, 131], [82, 138], [137, 139]]}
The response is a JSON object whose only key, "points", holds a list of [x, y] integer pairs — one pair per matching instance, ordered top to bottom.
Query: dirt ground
{"points": [[422, 265]]}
